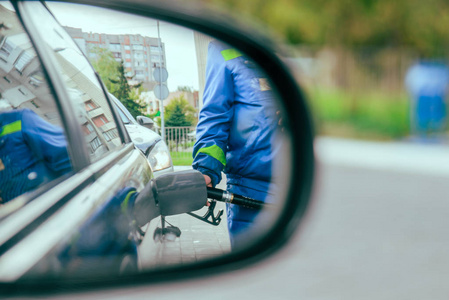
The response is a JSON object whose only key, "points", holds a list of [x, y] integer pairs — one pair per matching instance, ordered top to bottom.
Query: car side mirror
{"points": [[145, 121], [279, 171], [170, 194]]}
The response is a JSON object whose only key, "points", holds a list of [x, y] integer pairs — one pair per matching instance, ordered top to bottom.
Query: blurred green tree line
{"points": [[422, 25], [354, 56]]}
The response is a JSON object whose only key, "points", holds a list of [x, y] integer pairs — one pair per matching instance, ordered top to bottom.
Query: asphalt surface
{"points": [[377, 229]]}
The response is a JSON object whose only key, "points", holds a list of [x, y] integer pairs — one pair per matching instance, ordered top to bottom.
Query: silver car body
{"points": [[148, 141]]}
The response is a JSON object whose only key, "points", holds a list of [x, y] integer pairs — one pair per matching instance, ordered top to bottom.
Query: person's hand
{"points": [[280, 121], [208, 180], [209, 184]]}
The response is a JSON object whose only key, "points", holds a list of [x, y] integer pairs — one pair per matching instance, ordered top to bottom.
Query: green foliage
{"points": [[423, 25], [106, 66], [113, 75], [121, 88], [185, 89], [127, 95], [136, 104], [179, 113], [363, 115]]}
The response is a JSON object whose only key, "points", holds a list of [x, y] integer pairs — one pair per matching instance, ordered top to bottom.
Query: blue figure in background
{"points": [[428, 83], [236, 132], [32, 152]]}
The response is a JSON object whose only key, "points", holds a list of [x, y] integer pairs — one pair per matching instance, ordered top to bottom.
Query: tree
{"points": [[421, 25], [106, 66], [113, 75], [185, 89], [123, 91], [179, 113]]}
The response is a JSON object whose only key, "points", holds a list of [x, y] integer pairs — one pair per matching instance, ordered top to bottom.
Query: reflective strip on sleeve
{"points": [[229, 54], [11, 128], [215, 152], [124, 205]]}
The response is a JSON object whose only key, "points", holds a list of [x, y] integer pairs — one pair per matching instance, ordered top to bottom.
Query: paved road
{"points": [[377, 229]]}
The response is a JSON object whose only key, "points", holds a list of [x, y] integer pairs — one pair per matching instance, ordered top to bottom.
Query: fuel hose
{"points": [[228, 197]]}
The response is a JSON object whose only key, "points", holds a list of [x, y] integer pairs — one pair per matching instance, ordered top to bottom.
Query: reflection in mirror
{"points": [[91, 107], [216, 111], [33, 146]]}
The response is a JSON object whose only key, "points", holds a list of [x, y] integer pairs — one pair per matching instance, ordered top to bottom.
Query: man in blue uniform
{"points": [[236, 131], [32, 152]]}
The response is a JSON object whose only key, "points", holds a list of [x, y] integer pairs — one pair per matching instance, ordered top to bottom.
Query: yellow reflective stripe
{"points": [[229, 54], [11, 128], [215, 152], [124, 205]]}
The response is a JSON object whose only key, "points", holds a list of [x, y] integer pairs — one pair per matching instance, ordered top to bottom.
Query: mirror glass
{"points": [[211, 104], [33, 143]]}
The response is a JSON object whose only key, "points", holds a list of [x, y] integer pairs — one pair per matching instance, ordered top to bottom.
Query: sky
{"points": [[179, 42]]}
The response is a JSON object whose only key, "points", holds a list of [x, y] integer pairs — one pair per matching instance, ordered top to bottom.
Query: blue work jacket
{"points": [[237, 123], [32, 152]]}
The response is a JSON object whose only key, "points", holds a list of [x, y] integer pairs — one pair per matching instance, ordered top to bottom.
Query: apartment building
{"points": [[140, 54], [23, 85]]}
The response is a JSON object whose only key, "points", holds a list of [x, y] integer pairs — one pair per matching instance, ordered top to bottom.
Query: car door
{"points": [[76, 222]]}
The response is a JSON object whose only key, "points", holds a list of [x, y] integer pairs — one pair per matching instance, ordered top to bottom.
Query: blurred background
{"points": [[372, 69], [376, 78]]}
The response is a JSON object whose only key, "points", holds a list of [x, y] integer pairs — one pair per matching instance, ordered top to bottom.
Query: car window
{"points": [[92, 109], [124, 118], [33, 144]]}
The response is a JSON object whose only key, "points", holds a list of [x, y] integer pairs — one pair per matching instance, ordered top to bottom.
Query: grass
{"points": [[367, 114], [373, 115], [182, 158]]}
